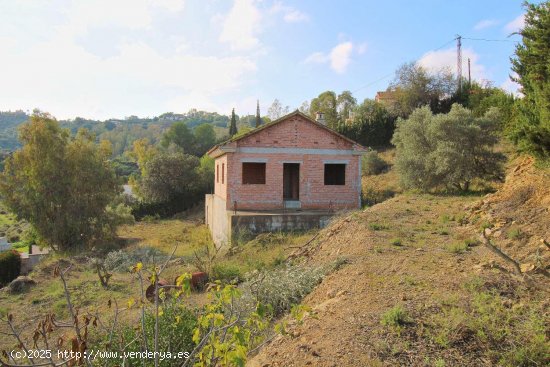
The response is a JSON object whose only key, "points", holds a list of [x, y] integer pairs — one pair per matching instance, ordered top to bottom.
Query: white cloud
{"points": [[171, 5], [290, 14], [295, 16], [485, 23], [241, 25], [515, 25], [362, 48], [339, 57], [316, 58], [446, 59], [57, 74]]}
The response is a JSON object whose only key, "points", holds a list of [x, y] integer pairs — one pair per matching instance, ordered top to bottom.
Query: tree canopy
{"points": [[414, 86], [371, 125], [531, 129], [447, 150], [60, 185]]}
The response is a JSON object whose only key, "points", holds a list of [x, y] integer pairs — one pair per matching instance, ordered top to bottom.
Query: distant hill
{"points": [[8, 128], [121, 132]]}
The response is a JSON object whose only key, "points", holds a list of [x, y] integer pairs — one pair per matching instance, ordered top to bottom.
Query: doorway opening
{"points": [[291, 181]]}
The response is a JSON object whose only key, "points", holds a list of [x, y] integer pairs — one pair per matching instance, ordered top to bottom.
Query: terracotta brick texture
{"points": [[295, 139]]}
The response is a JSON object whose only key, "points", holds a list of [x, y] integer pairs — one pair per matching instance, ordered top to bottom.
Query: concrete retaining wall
{"points": [[217, 219], [278, 222]]}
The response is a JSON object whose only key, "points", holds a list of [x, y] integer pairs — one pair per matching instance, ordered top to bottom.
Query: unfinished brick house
{"points": [[292, 173]]}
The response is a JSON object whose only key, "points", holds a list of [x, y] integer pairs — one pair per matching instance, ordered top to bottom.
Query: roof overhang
{"points": [[220, 150]]}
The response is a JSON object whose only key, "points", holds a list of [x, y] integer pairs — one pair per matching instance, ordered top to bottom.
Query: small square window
{"points": [[253, 173], [335, 174]]}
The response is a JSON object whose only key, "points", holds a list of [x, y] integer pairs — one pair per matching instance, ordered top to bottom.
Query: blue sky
{"points": [[115, 58]]}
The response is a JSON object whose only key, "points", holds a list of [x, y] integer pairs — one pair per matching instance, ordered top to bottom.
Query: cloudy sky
{"points": [[115, 58]]}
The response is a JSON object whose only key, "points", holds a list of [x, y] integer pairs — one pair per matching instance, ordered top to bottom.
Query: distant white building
{"points": [[4, 245]]}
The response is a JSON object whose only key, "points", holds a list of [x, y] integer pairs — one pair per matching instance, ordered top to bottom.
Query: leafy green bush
{"points": [[447, 150], [372, 164], [10, 266], [227, 273], [176, 325]]}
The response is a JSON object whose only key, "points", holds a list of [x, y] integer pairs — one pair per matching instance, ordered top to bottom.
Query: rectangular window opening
{"points": [[223, 172], [217, 173], [253, 173], [335, 174]]}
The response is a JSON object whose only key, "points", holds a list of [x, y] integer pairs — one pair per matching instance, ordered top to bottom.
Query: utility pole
{"points": [[459, 61], [469, 74]]}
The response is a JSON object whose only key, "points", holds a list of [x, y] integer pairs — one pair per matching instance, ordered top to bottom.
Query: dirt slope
{"points": [[519, 213], [407, 251]]}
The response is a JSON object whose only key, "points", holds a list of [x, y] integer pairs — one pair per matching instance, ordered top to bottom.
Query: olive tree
{"points": [[447, 150]]}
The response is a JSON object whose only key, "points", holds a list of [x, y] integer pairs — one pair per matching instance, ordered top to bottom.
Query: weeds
{"points": [[378, 227], [515, 234], [396, 242], [457, 248], [123, 260], [395, 318], [511, 335]]}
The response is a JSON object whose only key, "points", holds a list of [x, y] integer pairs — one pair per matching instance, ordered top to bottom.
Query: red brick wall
{"points": [[295, 134], [220, 188], [314, 194]]}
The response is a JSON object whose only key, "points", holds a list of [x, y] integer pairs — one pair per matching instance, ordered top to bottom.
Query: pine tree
{"points": [[258, 119], [233, 126], [531, 130]]}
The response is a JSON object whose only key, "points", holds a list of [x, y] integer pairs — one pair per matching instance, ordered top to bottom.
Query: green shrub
{"points": [[446, 150], [372, 164], [371, 196], [457, 248], [123, 260], [10, 266], [227, 273], [283, 287], [395, 317], [176, 325]]}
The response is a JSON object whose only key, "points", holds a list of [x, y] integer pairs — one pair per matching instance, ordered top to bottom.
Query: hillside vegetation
{"points": [[421, 289]]}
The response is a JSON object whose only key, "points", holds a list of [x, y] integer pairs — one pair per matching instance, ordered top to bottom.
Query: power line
{"points": [[488, 40], [435, 49], [392, 73]]}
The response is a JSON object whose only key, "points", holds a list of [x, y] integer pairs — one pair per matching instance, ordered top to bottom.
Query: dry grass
{"points": [[166, 234], [266, 251]]}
